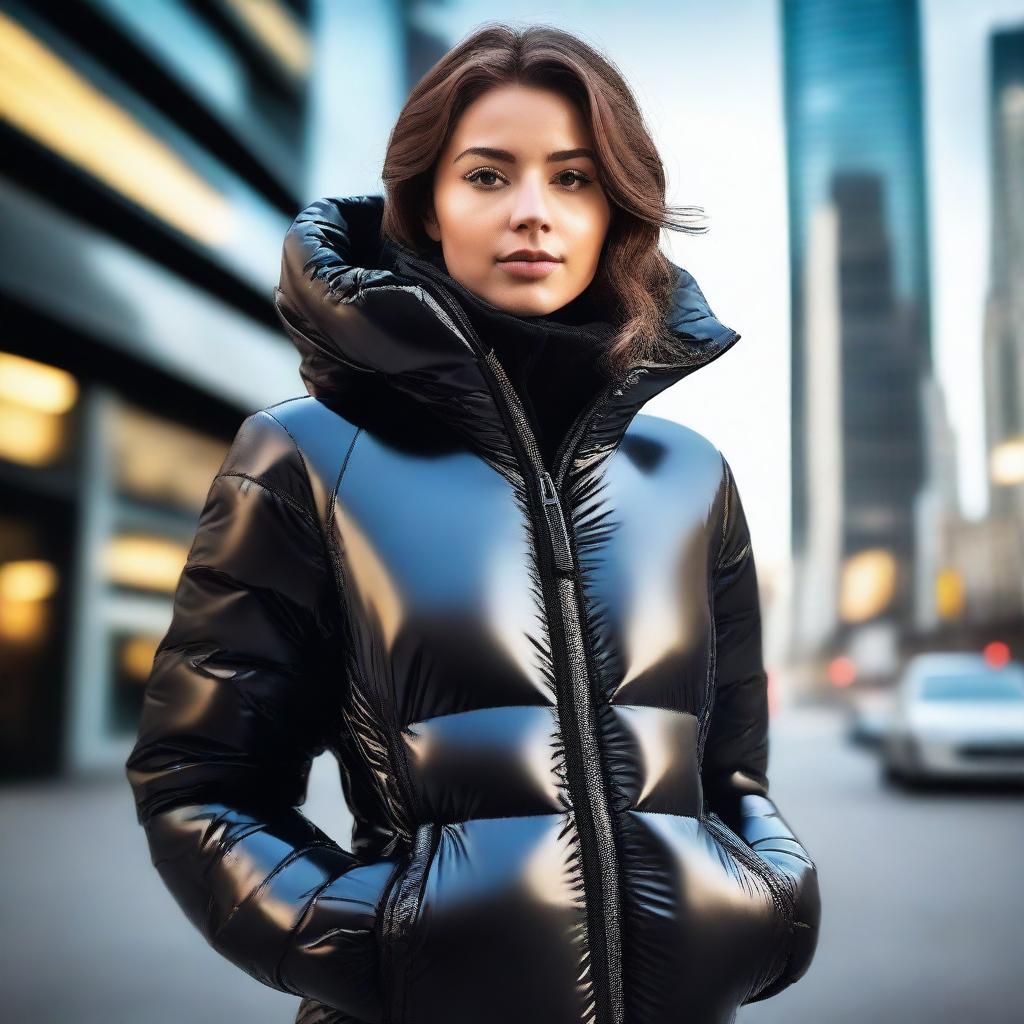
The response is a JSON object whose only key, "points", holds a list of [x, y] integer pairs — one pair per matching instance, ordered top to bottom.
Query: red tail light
{"points": [[996, 653], [842, 671]]}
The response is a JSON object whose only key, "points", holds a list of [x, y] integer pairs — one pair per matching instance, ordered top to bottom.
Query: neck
{"points": [[553, 361]]}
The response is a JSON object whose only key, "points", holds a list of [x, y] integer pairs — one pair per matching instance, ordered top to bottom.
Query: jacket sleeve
{"points": [[240, 699], [734, 769]]}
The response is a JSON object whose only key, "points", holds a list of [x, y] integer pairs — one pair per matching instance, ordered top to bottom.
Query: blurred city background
{"points": [[862, 167]]}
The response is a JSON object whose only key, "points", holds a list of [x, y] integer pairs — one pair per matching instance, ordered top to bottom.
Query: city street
{"points": [[357, 345], [922, 920]]}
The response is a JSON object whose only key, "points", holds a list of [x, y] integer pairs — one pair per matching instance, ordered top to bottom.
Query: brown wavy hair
{"points": [[633, 275]]}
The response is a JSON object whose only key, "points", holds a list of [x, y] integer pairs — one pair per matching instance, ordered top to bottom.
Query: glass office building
{"points": [[860, 308]]}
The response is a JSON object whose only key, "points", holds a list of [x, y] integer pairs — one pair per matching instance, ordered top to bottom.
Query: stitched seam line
{"points": [[285, 401], [302, 458], [285, 497], [333, 497], [725, 513], [327, 527], [737, 558], [711, 680], [545, 707], [401, 767], [664, 814], [502, 817], [288, 860], [293, 931]]}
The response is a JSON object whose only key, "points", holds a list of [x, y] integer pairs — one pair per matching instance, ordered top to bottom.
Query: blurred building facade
{"points": [[155, 156], [1004, 315], [861, 363], [971, 571]]}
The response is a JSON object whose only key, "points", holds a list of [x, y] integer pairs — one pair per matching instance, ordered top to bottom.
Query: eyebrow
{"points": [[504, 154]]}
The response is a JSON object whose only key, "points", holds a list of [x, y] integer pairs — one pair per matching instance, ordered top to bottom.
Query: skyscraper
{"points": [[860, 296], [1004, 316], [1004, 326]]}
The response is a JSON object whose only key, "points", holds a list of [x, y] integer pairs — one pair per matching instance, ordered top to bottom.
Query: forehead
{"points": [[526, 120]]}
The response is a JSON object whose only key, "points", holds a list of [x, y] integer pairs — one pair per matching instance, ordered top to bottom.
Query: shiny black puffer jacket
{"points": [[544, 689]]}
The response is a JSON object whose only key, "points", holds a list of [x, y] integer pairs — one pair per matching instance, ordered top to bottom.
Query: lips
{"points": [[528, 256], [530, 269]]}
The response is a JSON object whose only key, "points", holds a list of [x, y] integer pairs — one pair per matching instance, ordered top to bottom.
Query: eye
{"points": [[475, 176], [577, 176], [577, 180]]}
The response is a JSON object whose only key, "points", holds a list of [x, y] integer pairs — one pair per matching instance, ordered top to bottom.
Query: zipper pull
{"points": [[556, 524]]}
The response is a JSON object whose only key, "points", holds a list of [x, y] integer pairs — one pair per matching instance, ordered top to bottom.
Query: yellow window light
{"points": [[277, 31], [47, 99], [36, 385], [33, 400], [29, 437], [1006, 463], [152, 563], [27, 580], [868, 584], [25, 588], [949, 594], [136, 657]]}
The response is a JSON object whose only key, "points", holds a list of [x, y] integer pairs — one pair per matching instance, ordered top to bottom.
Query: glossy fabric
{"points": [[545, 694]]}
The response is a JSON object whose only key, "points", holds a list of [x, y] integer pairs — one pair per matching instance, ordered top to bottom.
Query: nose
{"points": [[529, 206]]}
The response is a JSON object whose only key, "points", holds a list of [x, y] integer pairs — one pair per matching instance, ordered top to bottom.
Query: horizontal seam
{"points": [[546, 707], [657, 707], [474, 711], [663, 814], [499, 817], [283, 864], [294, 930]]}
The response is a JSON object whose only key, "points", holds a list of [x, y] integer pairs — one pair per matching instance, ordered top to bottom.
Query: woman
{"points": [[521, 613]]}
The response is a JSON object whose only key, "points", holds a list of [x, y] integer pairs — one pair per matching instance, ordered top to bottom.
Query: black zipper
{"points": [[556, 525], [576, 708], [401, 908]]}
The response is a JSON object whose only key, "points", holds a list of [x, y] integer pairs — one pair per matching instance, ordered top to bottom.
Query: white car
{"points": [[955, 716]]}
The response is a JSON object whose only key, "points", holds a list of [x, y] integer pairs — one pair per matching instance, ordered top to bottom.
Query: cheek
{"points": [[466, 224], [589, 229], [466, 247], [586, 255]]}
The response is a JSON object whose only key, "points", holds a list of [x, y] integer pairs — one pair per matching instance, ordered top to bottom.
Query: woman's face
{"points": [[541, 193]]}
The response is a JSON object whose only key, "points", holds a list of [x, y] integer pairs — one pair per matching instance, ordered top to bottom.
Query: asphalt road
{"points": [[922, 894]]}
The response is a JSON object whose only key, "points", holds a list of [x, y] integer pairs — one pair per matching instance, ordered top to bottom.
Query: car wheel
{"points": [[891, 774]]}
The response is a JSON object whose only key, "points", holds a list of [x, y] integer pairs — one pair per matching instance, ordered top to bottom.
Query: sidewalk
{"points": [[90, 934]]}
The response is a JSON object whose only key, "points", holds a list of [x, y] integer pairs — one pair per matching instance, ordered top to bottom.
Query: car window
{"points": [[988, 686]]}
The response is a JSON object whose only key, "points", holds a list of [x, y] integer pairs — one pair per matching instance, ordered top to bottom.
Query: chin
{"points": [[524, 303]]}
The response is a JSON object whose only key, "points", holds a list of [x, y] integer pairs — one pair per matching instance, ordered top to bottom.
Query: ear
{"points": [[430, 224]]}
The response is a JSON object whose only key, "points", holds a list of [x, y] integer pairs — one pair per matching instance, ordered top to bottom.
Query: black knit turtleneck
{"points": [[551, 361]]}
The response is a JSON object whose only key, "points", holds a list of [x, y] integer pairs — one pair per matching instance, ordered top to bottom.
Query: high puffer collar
{"points": [[359, 309], [553, 361]]}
